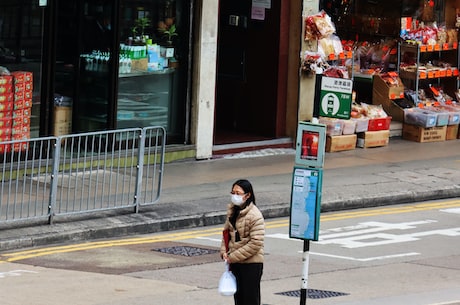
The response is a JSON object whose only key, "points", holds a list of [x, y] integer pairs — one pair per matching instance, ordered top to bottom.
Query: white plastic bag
{"points": [[227, 282]]}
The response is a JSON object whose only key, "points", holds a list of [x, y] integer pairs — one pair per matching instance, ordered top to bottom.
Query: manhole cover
{"points": [[186, 251], [314, 294]]}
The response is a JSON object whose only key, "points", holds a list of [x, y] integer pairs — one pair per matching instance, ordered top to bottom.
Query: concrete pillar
{"points": [[204, 77], [307, 84]]}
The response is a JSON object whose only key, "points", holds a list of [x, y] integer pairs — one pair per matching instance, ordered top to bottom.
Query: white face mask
{"points": [[237, 199]]}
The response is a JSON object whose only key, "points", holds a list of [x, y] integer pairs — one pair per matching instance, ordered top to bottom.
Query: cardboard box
{"points": [[140, 64], [381, 87], [390, 107], [62, 120], [452, 132], [423, 135], [373, 138], [341, 143]]}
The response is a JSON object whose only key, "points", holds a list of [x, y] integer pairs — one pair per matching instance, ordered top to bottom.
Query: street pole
{"points": [[305, 261]]}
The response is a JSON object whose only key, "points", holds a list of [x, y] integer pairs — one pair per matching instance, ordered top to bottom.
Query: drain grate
{"points": [[186, 251], [313, 294]]}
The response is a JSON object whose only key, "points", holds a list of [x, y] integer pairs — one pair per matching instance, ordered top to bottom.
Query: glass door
{"points": [[96, 75]]}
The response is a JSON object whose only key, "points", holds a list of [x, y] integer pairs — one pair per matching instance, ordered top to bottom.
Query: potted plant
{"points": [[142, 24], [168, 31]]}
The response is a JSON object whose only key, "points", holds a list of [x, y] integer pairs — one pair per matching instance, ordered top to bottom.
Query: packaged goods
{"points": [[443, 115], [420, 117], [361, 124], [334, 127], [349, 127]]}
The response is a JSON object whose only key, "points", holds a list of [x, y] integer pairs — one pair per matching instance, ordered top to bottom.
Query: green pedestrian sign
{"points": [[335, 98]]}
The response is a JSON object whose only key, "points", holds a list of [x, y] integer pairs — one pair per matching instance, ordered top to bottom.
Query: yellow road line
{"points": [[270, 224]]}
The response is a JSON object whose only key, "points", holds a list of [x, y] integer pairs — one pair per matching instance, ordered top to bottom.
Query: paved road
{"points": [[195, 193], [405, 254]]}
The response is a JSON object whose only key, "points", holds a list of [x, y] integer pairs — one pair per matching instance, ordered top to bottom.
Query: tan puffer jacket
{"points": [[251, 228]]}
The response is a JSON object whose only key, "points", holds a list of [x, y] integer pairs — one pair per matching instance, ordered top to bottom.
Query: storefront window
{"points": [[145, 47], [20, 63], [152, 65]]}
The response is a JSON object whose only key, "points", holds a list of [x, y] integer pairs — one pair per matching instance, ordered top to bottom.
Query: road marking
{"points": [[453, 211], [183, 235], [367, 259], [14, 273]]}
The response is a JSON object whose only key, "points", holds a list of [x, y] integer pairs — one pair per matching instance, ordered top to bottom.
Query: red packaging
{"points": [[22, 76], [6, 80], [24, 86], [4, 89], [21, 95], [6, 97], [24, 103], [7, 106], [27, 112], [19, 113], [6, 114], [20, 121], [6, 122], [379, 124], [5, 131], [20, 131], [21, 136], [5, 138], [21, 146], [5, 148]]}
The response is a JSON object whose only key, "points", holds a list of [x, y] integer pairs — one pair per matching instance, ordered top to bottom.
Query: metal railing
{"points": [[44, 178]]}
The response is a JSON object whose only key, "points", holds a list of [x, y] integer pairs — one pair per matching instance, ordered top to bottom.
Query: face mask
{"points": [[237, 199]]}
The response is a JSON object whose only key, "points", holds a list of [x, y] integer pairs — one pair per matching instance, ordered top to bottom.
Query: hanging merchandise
{"points": [[428, 11], [318, 26]]}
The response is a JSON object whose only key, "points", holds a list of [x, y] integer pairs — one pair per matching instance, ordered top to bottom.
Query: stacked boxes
{"points": [[15, 109], [6, 110], [431, 124]]}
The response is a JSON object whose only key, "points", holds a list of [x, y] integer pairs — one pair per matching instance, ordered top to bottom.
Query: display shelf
{"points": [[441, 68]]}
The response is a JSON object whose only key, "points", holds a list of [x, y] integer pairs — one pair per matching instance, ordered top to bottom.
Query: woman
{"points": [[245, 252]]}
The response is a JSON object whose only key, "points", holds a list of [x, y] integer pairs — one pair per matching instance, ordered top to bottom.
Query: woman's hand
{"points": [[225, 258]]}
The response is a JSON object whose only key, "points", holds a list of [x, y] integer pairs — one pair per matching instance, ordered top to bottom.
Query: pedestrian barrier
{"points": [[44, 178]]}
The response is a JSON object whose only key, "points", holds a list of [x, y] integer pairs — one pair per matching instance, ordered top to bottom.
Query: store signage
{"points": [[335, 97], [305, 203]]}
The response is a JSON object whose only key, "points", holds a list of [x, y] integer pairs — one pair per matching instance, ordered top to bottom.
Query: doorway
{"points": [[249, 103]]}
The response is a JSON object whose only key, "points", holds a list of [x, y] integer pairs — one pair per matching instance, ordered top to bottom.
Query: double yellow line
{"points": [[270, 224]]}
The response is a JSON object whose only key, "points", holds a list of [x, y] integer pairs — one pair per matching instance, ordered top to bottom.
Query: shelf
{"points": [[147, 73], [423, 75]]}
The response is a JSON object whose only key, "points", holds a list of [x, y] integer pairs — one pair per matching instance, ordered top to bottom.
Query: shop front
{"points": [[402, 59], [102, 64]]}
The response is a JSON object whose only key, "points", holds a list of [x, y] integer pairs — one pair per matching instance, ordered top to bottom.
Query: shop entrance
{"points": [[249, 104]]}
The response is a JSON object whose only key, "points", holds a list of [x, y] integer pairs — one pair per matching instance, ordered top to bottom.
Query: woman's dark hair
{"points": [[247, 188]]}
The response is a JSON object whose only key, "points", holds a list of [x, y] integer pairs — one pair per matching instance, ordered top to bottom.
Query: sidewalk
{"points": [[195, 193]]}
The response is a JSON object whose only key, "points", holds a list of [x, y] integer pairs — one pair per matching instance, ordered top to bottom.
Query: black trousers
{"points": [[248, 277]]}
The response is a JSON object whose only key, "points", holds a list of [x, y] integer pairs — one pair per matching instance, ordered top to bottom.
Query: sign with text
{"points": [[335, 97], [305, 203]]}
